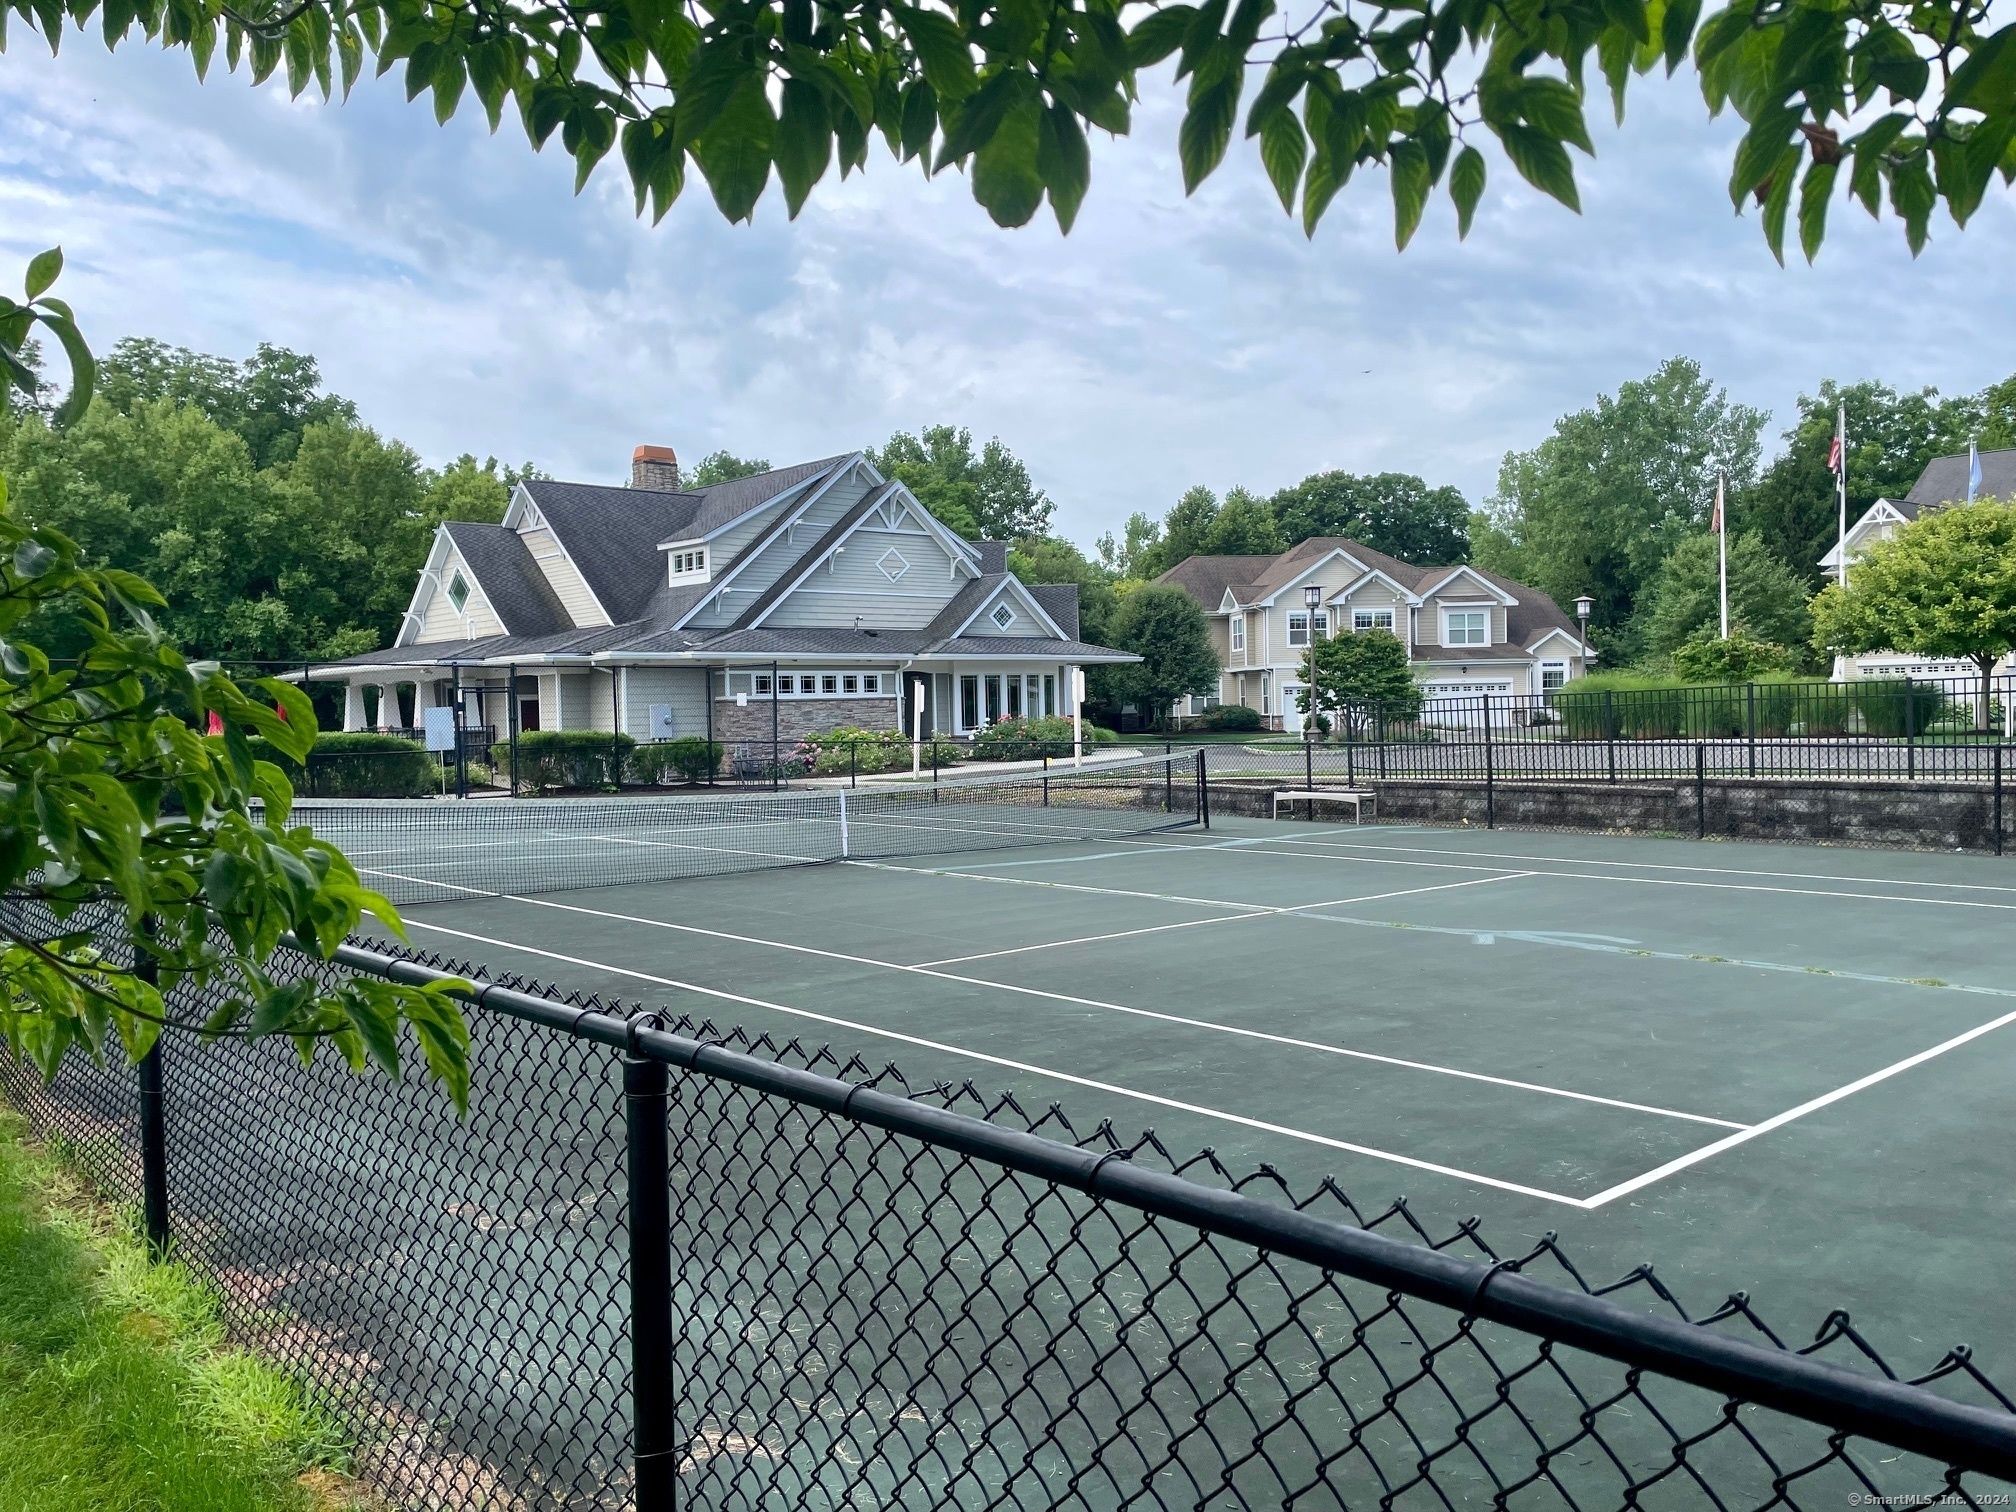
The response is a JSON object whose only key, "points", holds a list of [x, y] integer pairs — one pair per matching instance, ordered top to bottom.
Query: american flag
{"points": [[1835, 446]]}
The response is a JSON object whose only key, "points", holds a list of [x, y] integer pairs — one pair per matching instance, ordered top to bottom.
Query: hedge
{"points": [[1026, 739], [556, 759], [357, 764]]}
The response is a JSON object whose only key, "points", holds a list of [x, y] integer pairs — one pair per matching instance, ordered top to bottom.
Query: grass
{"points": [[117, 1390]]}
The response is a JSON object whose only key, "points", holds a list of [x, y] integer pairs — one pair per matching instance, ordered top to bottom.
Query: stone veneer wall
{"points": [[798, 717], [1910, 815]]}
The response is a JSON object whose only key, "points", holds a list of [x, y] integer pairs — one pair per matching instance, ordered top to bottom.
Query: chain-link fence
{"points": [[840, 1290]]}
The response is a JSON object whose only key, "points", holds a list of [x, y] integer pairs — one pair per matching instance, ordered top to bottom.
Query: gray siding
{"points": [[782, 554], [853, 583], [684, 688]]}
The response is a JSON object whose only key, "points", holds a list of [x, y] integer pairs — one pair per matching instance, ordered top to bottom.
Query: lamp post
{"points": [[1311, 597], [1584, 606]]}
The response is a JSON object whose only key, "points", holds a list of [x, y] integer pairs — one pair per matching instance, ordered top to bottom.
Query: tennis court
{"points": [[1775, 1068]]}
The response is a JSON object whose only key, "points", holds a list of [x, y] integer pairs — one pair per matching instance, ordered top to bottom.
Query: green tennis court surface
{"points": [[1783, 1069]]}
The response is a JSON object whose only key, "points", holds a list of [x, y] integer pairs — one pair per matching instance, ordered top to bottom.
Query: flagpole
{"points": [[1841, 489], [1722, 543]]}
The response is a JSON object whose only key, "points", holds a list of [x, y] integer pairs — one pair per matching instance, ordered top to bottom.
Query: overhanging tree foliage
{"points": [[1877, 100], [1944, 585], [110, 797]]}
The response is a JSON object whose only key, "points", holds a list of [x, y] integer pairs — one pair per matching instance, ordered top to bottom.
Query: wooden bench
{"points": [[1313, 796]]}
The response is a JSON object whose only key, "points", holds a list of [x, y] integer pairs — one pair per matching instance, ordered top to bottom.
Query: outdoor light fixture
{"points": [[1584, 607]]}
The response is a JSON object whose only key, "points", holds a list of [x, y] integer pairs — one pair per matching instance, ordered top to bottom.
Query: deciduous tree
{"points": [[725, 467], [985, 497], [1396, 513], [1944, 585], [1168, 631], [1364, 671]]}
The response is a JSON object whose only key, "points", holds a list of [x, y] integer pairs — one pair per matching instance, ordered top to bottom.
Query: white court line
{"points": [[1725, 871], [1805, 892], [1124, 934], [1147, 1013], [1024, 1066], [1625, 1188]]}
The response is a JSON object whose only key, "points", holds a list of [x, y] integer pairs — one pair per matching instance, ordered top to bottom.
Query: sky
{"points": [[453, 286]]}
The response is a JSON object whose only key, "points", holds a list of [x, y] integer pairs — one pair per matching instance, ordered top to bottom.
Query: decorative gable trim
{"points": [[814, 490], [889, 502], [533, 518], [1334, 554], [434, 581], [1010, 586], [1405, 594], [1496, 594], [1228, 603], [1557, 633]]}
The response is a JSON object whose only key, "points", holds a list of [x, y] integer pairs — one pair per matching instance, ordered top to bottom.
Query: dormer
{"points": [[687, 562]]}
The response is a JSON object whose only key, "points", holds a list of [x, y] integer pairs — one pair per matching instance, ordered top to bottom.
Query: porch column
{"points": [[353, 706], [388, 706]]}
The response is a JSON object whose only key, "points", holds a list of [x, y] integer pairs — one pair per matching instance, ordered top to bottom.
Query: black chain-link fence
{"points": [[893, 1296]]}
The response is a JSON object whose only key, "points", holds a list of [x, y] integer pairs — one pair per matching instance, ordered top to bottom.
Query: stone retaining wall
{"points": [[1911, 815]]}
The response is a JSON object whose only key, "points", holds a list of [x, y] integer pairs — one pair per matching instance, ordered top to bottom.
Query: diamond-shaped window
{"points": [[893, 564], [1002, 616]]}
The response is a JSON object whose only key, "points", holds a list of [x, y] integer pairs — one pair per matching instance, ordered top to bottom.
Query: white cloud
{"points": [[452, 284]]}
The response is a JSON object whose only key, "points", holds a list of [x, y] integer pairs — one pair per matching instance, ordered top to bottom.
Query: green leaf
{"points": [[1629, 16], [1676, 30], [1159, 34], [943, 54], [1987, 80], [1551, 107], [978, 117], [920, 120], [1207, 127], [804, 142], [1870, 147], [1761, 148], [1284, 149], [735, 153], [1542, 162], [1064, 163], [1005, 176], [1324, 179], [1466, 187], [1410, 190], [1814, 193], [1912, 196], [1778, 201], [42, 271], [83, 369]]}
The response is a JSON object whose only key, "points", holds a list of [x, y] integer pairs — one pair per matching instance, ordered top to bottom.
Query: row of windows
{"points": [[688, 563], [1298, 625], [813, 684], [984, 700]]}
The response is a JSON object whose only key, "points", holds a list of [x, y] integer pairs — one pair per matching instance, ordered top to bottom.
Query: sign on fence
{"points": [[439, 729]]}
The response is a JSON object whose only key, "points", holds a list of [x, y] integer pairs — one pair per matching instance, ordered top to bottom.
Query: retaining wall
{"points": [[1911, 815]]}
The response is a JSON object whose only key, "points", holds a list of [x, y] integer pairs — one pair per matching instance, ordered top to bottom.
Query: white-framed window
{"points": [[687, 564], [458, 591], [1003, 616], [1371, 619], [1298, 627], [1466, 627], [1238, 632], [1553, 676], [762, 682], [871, 682], [829, 683], [739, 684], [809, 684], [850, 684]]}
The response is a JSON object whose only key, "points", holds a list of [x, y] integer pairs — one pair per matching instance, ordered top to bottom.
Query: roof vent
{"points": [[655, 467]]}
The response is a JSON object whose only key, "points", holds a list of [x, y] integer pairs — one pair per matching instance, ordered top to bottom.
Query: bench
{"points": [[1313, 796]]}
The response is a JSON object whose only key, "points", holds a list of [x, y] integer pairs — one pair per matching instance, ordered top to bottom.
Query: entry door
{"points": [[1291, 712]]}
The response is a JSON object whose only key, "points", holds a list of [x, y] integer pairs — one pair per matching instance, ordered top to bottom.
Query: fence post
{"points": [[511, 719], [1751, 725], [1610, 728], [1910, 729], [1382, 742], [852, 747], [1350, 748], [1309, 767], [934, 769], [1490, 772], [1168, 785], [1700, 790], [1204, 791], [1998, 799], [153, 1114], [653, 1419]]}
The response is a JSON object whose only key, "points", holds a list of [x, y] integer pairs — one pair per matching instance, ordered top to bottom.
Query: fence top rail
{"points": [[1898, 1413]]}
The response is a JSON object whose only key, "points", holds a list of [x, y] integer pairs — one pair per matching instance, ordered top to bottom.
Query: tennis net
{"points": [[416, 851]]}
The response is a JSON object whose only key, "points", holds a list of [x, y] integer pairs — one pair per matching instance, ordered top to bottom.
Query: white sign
{"points": [[661, 722], [440, 727]]}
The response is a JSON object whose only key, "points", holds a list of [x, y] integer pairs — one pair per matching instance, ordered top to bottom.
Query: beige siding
{"points": [[566, 579], [440, 620]]}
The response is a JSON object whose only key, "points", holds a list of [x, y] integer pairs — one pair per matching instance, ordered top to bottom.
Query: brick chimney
{"points": [[655, 467]]}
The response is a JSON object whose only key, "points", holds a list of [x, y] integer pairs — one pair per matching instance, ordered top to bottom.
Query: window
{"points": [[686, 564], [893, 564], [458, 591], [1002, 616], [1371, 619], [1466, 627], [1298, 628], [1238, 632], [1552, 676], [762, 682], [871, 682], [738, 684], [828, 684], [850, 684], [1049, 695], [1014, 698], [993, 699], [969, 703]]}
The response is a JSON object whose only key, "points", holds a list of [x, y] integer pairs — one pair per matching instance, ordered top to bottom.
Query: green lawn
{"points": [[116, 1389]]}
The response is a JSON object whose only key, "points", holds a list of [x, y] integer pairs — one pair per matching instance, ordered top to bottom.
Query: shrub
{"points": [[1705, 657], [1887, 708], [1232, 717], [1027, 739], [847, 749], [559, 759], [687, 759], [358, 764]]}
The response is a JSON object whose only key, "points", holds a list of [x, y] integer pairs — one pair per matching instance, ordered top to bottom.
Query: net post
{"points": [[511, 720], [852, 747], [776, 755], [934, 768], [1490, 772], [1046, 779], [1168, 785], [1204, 792], [1998, 798], [844, 852], [153, 1113], [654, 1429]]}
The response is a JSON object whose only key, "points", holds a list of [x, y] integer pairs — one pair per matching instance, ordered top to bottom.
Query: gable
{"points": [[777, 547], [887, 563], [1465, 585], [434, 614]]}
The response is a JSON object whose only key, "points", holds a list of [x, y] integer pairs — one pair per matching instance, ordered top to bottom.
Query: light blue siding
{"points": [[781, 554], [856, 583], [684, 688]]}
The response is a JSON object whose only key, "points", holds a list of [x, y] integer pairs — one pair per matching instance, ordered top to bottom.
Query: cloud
{"points": [[453, 285]]}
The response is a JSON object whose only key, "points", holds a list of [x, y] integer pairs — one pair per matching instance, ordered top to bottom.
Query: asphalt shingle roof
{"points": [[1944, 480], [509, 578]]}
